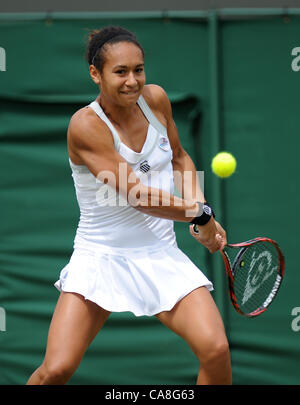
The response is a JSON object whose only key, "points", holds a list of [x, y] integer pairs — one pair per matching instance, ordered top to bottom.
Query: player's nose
{"points": [[131, 80]]}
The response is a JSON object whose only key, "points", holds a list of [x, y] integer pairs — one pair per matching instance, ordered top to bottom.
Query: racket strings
{"points": [[255, 272]]}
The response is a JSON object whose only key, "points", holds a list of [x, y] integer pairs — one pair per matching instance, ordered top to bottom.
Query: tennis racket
{"points": [[255, 271]]}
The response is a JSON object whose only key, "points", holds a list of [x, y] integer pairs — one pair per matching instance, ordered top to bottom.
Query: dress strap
{"points": [[98, 110], [150, 116]]}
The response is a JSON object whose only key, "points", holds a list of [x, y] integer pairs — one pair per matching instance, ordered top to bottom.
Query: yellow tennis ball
{"points": [[223, 164]]}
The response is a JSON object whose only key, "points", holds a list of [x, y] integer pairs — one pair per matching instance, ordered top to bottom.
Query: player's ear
{"points": [[95, 74]]}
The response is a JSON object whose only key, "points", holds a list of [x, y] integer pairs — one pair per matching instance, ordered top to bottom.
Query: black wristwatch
{"points": [[205, 213]]}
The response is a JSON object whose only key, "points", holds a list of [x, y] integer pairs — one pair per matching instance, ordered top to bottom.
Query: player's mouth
{"points": [[129, 93]]}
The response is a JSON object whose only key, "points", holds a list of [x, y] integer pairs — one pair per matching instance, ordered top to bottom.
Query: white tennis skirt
{"points": [[144, 281]]}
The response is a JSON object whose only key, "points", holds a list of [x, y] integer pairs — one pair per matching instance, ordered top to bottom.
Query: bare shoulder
{"points": [[155, 95], [158, 100], [84, 120], [85, 125], [87, 133]]}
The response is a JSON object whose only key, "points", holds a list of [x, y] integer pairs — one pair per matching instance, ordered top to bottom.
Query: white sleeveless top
{"points": [[108, 220], [124, 260]]}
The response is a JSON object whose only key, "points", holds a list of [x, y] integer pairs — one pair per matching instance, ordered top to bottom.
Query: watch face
{"points": [[207, 209]]}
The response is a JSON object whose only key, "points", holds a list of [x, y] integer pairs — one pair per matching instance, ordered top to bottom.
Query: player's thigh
{"points": [[197, 320], [74, 325]]}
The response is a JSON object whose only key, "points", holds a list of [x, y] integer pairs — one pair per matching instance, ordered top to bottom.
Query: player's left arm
{"points": [[185, 174]]}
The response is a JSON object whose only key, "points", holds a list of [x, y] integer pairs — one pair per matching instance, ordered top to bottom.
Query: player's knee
{"points": [[220, 351], [215, 352], [56, 373]]}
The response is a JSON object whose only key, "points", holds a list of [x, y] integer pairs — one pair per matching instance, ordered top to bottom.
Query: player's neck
{"points": [[117, 113]]}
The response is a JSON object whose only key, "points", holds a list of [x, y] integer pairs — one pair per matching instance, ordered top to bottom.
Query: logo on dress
{"points": [[164, 144], [144, 166]]}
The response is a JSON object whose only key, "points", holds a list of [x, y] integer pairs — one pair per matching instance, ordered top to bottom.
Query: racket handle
{"points": [[195, 228]]}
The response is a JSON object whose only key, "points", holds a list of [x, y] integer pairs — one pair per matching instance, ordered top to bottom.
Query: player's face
{"points": [[123, 77]]}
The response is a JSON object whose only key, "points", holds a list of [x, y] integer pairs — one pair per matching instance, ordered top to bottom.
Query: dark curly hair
{"points": [[99, 39]]}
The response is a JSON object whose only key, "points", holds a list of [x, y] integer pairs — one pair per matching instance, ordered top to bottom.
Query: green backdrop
{"points": [[232, 87]]}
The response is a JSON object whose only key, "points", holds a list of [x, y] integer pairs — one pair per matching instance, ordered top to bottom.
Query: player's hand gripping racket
{"points": [[255, 270]]}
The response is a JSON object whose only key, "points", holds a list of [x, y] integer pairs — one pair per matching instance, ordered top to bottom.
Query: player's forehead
{"points": [[123, 54]]}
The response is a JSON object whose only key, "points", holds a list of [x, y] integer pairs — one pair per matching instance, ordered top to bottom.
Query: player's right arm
{"points": [[91, 143]]}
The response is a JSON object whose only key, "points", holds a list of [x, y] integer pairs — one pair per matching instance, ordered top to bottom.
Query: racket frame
{"points": [[230, 274]]}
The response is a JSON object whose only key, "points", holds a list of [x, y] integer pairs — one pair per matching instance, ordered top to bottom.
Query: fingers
{"points": [[222, 232], [213, 241], [219, 242], [224, 242], [215, 245]]}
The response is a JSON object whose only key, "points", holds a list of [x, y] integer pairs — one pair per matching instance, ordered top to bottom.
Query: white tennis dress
{"points": [[125, 260]]}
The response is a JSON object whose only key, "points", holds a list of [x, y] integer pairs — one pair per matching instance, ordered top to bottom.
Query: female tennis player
{"points": [[125, 254]]}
